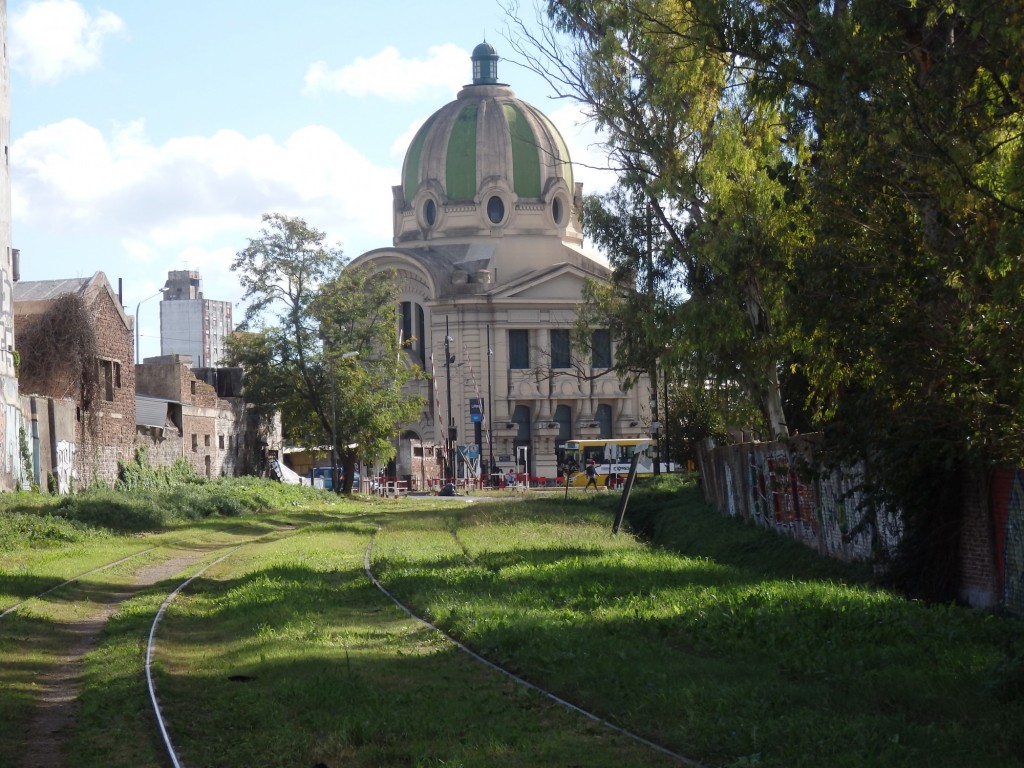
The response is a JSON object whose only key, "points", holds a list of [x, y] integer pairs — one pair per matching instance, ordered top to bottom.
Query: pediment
{"points": [[563, 281]]}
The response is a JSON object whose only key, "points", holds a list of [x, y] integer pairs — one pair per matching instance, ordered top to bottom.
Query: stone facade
{"points": [[490, 268]]}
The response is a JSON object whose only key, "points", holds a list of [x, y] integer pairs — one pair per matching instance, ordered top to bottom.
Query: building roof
{"points": [[47, 290], [32, 296], [152, 411]]}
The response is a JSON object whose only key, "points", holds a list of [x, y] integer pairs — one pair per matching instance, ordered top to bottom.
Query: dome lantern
{"points": [[485, 65]]}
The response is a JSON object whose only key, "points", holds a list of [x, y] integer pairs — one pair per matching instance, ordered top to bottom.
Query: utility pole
{"points": [[490, 409], [450, 438]]}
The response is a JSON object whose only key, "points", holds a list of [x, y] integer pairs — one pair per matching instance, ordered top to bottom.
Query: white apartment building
{"points": [[191, 325]]}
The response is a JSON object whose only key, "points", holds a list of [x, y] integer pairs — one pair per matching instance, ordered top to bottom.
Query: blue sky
{"points": [[151, 136]]}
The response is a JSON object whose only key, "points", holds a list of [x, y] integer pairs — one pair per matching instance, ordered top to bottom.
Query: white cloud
{"points": [[52, 39], [389, 76], [403, 141], [586, 148], [70, 178]]}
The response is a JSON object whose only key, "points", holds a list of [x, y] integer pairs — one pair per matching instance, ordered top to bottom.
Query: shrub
{"points": [[137, 474], [104, 508]]}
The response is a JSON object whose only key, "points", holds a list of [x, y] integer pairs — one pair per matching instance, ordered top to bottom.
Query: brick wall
{"points": [[213, 431], [107, 432]]}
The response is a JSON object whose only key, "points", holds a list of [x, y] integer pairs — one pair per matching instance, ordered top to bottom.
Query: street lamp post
{"points": [[138, 352]]}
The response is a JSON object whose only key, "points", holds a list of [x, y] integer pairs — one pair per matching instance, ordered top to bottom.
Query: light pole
{"points": [[138, 353]]}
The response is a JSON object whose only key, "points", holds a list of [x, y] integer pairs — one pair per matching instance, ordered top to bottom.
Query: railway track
{"points": [[215, 555]]}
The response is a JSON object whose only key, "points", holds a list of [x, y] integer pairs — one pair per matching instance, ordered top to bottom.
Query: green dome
{"points": [[484, 49], [486, 133]]}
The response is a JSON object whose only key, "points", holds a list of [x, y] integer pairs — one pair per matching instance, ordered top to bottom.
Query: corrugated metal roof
{"points": [[45, 290], [151, 412]]}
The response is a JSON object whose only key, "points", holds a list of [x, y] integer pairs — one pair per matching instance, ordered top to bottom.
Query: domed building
{"points": [[488, 251]]}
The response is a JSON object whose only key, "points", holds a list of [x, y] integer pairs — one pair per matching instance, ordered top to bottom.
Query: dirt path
{"points": [[58, 696]]}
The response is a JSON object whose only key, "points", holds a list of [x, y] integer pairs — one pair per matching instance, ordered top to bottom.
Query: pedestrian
{"points": [[591, 475]]}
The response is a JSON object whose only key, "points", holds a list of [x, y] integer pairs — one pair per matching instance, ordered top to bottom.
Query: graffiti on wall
{"points": [[10, 446], [65, 467], [777, 488], [782, 498], [1008, 523], [848, 529]]}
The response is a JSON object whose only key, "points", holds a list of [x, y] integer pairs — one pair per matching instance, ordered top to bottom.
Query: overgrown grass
{"points": [[45, 540], [720, 641], [725, 643], [288, 656]]}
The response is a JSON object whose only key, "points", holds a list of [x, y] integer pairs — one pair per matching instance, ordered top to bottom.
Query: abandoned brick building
{"points": [[76, 377], [199, 414]]}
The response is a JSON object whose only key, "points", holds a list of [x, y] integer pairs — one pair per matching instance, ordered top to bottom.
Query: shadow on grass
{"points": [[303, 667]]}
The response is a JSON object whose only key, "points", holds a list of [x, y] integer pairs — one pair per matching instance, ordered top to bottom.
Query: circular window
{"points": [[496, 210], [556, 210], [430, 213]]}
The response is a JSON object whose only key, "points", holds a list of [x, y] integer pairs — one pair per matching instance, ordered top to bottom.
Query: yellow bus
{"points": [[613, 457]]}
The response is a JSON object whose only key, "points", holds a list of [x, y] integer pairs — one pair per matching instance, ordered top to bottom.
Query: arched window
{"points": [[412, 327]]}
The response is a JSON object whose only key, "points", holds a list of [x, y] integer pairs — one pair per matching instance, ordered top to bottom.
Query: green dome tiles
{"points": [[486, 136], [563, 160], [525, 161], [460, 163], [411, 172]]}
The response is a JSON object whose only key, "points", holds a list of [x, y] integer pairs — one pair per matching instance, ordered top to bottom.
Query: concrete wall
{"points": [[51, 431], [11, 471], [779, 486]]}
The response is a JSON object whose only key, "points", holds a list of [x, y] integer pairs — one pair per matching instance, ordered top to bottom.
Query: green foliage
{"points": [[843, 184], [323, 350], [695, 414], [26, 456], [138, 475], [162, 499], [104, 508], [22, 529]]}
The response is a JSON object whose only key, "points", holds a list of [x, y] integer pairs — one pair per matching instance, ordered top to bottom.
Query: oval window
{"points": [[496, 210], [556, 210], [430, 212]]}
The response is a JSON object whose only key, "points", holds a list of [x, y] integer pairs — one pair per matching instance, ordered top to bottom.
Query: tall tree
{"points": [[654, 76], [890, 269], [319, 344]]}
